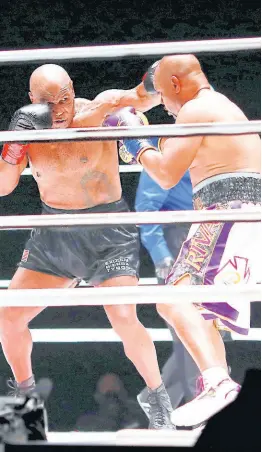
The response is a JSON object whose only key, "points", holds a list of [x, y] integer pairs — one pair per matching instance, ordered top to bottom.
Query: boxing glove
{"points": [[148, 78], [29, 117], [131, 149]]}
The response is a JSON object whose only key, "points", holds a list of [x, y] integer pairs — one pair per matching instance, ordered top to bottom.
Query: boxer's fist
{"points": [[148, 78], [29, 117], [125, 117], [131, 149], [125, 156]]}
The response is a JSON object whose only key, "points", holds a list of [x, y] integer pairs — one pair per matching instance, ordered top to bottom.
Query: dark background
{"points": [[75, 368]]}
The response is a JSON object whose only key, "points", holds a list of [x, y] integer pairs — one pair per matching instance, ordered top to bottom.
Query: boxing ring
{"points": [[147, 292]]}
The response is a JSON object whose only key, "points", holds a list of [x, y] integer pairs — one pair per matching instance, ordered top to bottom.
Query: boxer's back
{"points": [[223, 154]]}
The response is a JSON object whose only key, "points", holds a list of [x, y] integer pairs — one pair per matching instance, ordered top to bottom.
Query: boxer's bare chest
{"points": [[55, 158], [51, 159], [76, 174]]}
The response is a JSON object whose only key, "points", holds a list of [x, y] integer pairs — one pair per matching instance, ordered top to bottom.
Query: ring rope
{"points": [[106, 52], [115, 133], [122, 169], [131, 218], [4, 283], [131, 295], [65, 335], [126, 437]]}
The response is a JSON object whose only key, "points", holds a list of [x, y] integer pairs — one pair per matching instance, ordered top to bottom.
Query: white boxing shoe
{"points": [[206, 404]]}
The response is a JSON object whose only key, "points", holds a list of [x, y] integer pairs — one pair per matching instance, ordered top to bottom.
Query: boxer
{"points": [[225, 173], [76, 177]]}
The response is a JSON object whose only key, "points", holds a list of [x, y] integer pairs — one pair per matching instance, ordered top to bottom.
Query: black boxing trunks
{"points": [[223, 253], [93, 254]]}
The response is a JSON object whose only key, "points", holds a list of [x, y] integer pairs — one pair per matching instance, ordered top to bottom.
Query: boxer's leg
{"points": [[15, 336], [199, 336], [138, 344], [207, 348], [140, 349]]}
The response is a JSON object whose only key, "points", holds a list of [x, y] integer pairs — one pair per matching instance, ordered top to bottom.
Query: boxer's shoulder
{"points": [[81, 104], [201, 109], [193, 111], [83, 113], [87, 114]]}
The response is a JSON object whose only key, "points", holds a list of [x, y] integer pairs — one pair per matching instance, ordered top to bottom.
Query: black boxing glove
{"points": [[148, 78], [29, 117]]}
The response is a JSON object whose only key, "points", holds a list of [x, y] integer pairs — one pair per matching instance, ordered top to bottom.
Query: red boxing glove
{"points": [[14, 153]]}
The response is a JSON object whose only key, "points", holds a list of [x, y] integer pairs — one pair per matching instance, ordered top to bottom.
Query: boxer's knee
{"points": [[165, 310], [122, 314], [122, 318], [12, 320]]}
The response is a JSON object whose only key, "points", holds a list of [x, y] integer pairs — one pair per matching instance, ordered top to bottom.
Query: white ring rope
{"points": [[106, 52], [115, 133], [122, 169], [131, 218], [4, 283], [130, 295], [107, 334], [50, 335], [67, 335], [132, 437]]}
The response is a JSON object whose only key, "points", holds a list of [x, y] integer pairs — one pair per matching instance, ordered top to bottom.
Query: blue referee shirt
{"points": [[151, 197]]}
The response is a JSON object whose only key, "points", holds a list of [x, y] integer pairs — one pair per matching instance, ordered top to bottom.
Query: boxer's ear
{"points": [[176, 84], [72, 88]]}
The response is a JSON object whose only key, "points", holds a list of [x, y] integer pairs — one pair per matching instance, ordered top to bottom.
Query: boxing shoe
{"points": [[20, 390], [211, 399], [143, 402], [29, 408], [160, 409]]}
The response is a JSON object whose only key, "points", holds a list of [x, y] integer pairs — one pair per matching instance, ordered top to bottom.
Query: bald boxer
{"points": [[225, 173], [76, 177], [59, 192]]}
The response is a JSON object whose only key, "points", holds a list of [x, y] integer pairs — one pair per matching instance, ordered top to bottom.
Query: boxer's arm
{"points": [[143, 97], [139, 98], [112, 100], [177, 154], [14, 155], [10, 175]]}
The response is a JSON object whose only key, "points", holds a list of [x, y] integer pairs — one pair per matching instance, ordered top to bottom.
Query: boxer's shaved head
{"points": [[179, 65], [48, 76], [178, 78], [51, 84]]}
